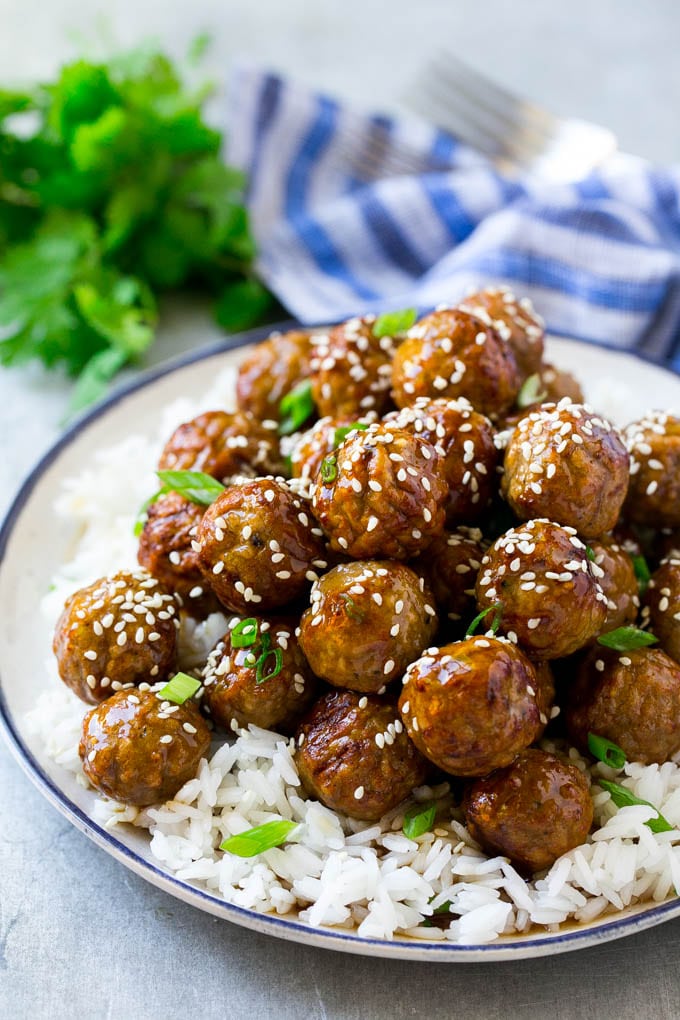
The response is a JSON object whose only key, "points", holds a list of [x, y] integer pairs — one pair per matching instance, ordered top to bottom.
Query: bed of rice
{"points": [[336, 871]]}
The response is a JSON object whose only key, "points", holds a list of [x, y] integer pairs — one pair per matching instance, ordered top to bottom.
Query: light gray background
{"points": [[80, 936]]}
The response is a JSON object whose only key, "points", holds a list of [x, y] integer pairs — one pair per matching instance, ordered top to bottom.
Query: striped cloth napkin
{"points": [[599, 257]]}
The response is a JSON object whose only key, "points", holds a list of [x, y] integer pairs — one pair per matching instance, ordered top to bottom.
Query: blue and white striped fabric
{"points": [[600, 257]]}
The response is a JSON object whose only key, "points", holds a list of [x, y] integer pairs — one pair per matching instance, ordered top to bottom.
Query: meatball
{"points": [[515, 321], [450, 353], [352, 369], [271, 370], [549, 385], [465, 441], [318, 442], [221, 445], [566, 463], [654, 491], [382, 495], [258, 546], [165, 551], [450, 565], [613, 568], [539, 577], [662, 606], [367, 621], [119, 631], [238, 691], [632, 698], [471, 706], [140, 749], [354, 756], [532, 811]]}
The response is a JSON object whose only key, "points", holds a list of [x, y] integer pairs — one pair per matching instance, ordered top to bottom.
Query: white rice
{"points": [[336, 872]]}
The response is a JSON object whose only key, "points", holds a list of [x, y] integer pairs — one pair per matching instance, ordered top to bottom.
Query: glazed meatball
{"points": [[515, 321], [451, 353], [272, 369], [352, 369], [465, 441], [221, 445], [312, 446], [566, 463], [654, 491], [382, 495], [258, 546], [165, 551], [450, 565], [613, 568], [539, 577], [662, 606], [367, 621], [117, 632], [237, 691], [632, 698], [471, 706], [140, 749], [354, 756], [532, 811]]}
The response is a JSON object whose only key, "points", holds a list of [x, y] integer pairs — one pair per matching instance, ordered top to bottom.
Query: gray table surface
{"points": [[82, 937]]}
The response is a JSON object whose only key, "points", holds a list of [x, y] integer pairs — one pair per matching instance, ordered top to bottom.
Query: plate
{"points": [[30, 554]]}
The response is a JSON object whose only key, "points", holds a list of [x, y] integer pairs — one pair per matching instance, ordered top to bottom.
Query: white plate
{"points": [[33, 544]]}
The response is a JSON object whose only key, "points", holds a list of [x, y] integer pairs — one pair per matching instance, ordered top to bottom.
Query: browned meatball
{"points": [[515, 321], [451, 353], [352, 369], [271, 370], [465, 441], [318, 442], [221, 445], [566, 463], [654, 491], [382, 495], [258, 546], [165, 551], [450, 565], [613, 568], [539, 577], [662, 606], [367, 621], [119, 631], [238, 691], [632, 698], [471, 706], [141, 750], [354, 756], [532, 811]]}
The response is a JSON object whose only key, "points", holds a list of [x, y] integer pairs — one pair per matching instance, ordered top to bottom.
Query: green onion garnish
{"points": [[392, 323], [531, 391], [296, 407], [344, 430], [329, 469], [193, 485], [143, 513], [590, 553], [642, 572], [498, 608], [352, 609], [244, 633], [625, 639], [266, 652], [180, 688], [606, 751], [622, 797], [418, 820], [263, 837]]}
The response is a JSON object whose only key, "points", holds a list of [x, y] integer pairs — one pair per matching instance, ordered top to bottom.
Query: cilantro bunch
{"points": [[112, 189]]}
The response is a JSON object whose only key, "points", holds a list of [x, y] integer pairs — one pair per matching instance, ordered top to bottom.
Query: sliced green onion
{"points": [[393, 323], [531, 391], [296, 407], [344, 430], [329, 469], [193, 485], [143, 511], [590, 553], [642, 572], [498, 608], [352, 609], [244, 633], [625, 639], [260, 675], [180, 688], [606, 751], [622, 797], [419, 820], [263, 837], [440, 917]]}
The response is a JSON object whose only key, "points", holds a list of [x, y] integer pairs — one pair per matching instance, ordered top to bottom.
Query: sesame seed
{"points": [[371, 525], [90, 654], [625, 661], [599, 665], [388, 667], [363, 702], [166, 739], [358, 793]]}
